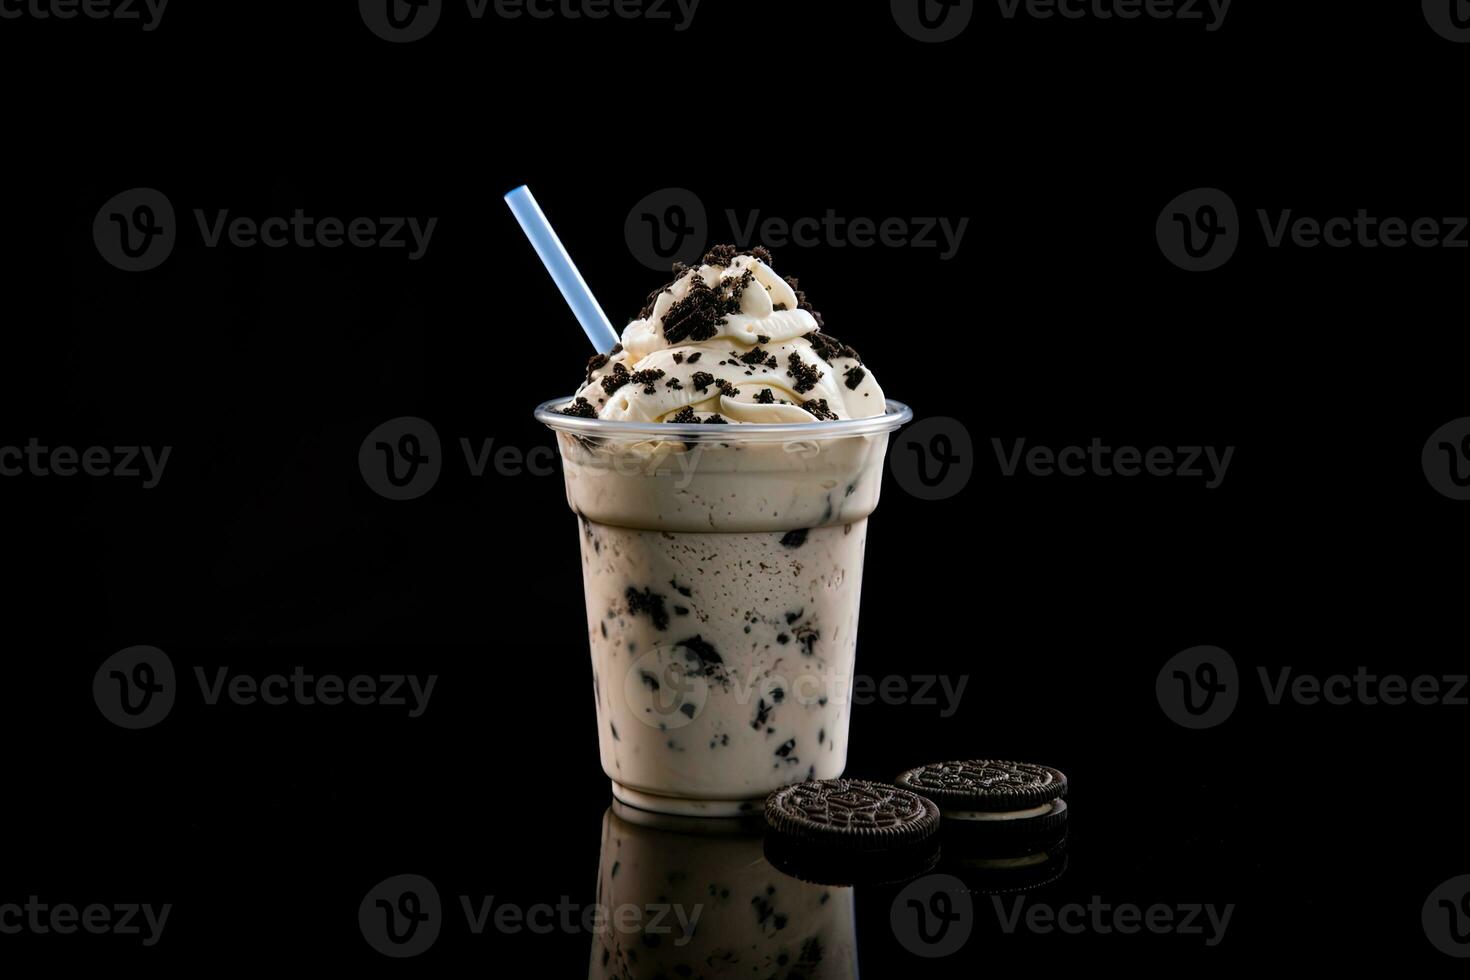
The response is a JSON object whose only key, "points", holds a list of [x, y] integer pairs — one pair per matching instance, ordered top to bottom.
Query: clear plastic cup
{"points": [[722, 570]]}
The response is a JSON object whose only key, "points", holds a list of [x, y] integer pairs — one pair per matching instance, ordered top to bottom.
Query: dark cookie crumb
{"points": [[725, 254], [801, 300], [780, 307], [695, 317], [761, 338], [829, 348], [678, 358], [694, 358], [595, 363], [806, 375], [855, 376], [646, 378], [617, 379], [702, 380], [674, 384], [726, 388], [766, 397], [818, 407], [581, 409], [684, 416], [716, 419], [794, 539], [683, 590], [649, 602], [792, 617], [697, 648], [762, 715]]}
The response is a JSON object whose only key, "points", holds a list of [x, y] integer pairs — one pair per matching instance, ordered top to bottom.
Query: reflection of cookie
{"points": [[1000, 795], [852, 815], [842, 869], [993, 875]]}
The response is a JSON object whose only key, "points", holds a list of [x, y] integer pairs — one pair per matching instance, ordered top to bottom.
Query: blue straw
{"points": [[563, 271]]}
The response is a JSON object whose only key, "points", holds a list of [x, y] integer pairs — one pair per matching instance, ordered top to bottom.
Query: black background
{"points": [[1059, 320]]}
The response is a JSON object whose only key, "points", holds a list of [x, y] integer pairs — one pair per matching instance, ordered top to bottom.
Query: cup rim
{"points": [[895, 415]]}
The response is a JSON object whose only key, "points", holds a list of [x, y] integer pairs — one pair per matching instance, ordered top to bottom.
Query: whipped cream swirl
{"points": [[729, 341]]}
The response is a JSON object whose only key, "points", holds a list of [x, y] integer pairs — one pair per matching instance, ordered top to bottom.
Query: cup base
{"points": [[685, 808]]}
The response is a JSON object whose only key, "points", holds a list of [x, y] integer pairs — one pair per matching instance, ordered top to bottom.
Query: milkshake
{"points": [[723, 460], [723, 910]]}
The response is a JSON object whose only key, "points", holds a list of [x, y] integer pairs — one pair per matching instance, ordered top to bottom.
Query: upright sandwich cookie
{"points": [[994, 795]]}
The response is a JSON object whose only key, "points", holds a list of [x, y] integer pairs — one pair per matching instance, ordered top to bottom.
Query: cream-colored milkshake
{"points": [[723, 463]]}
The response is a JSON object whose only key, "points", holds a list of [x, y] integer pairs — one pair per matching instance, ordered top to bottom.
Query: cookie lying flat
{"points": [[852, 814], [850, 831]]}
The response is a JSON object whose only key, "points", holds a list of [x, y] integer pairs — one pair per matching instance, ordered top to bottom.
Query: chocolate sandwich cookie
{"points": [[996, 796], [850, 831]]}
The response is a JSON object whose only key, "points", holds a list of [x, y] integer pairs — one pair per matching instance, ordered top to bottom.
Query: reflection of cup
{"points": [[722, 567], [745, 918]]}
